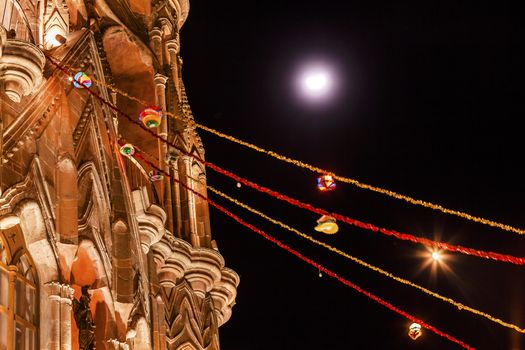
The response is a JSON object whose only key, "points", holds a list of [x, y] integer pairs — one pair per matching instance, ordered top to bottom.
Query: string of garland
{"points": [[318, 170], [367, 226], [311, 262], [390, 275]]}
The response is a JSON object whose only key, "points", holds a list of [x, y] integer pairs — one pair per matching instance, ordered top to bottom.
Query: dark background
{"points": [[429, 104]]}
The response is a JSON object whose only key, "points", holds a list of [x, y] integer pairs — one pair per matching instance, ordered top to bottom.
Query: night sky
{"points": [[429, 103]]}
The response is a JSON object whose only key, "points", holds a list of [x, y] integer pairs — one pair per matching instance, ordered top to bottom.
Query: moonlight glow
{"points": [[315, 82]]}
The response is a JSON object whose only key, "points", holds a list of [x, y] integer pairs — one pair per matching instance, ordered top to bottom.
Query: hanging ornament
{"points": [[81, 80], [151, 116], [127, 150], [155, 176], [325, 183], [327, 225], [414, 331]]}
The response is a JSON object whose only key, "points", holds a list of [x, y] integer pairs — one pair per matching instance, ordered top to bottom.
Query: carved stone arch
{"points": [[93, 209]]}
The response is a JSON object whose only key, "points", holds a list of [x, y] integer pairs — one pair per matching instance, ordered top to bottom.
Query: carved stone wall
{"points": [[93, 227]]}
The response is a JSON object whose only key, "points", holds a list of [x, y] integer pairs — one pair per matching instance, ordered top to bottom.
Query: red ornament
{"points": [[325, 183]]}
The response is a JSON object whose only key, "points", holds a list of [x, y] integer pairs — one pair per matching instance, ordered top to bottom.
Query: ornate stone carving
{"points": [[21, 65], [150, 217], [204, 270]]}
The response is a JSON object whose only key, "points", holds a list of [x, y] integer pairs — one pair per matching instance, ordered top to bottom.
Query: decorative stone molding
{"points": [[21, 65], [150, 218], [203, 268]]}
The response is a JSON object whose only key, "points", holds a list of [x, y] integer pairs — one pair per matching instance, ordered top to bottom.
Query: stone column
{"points": [[155, 36], [173, 47], [165, 190], [177, 216], [194, 239], [66, 297], [11, 311], [54, 315], [59, 316]]}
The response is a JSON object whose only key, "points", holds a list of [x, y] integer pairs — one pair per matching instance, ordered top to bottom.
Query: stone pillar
{"points": [[155, 37], [173, 50], [165, 190], [177, 216], [194, 239], [66, 302], [11, 311], [54, 315], [59, 316]]}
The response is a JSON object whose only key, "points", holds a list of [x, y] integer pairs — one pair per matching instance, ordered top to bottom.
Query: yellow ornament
{"points": [[326, 224]]}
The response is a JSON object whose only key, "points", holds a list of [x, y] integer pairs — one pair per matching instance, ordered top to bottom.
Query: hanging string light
{"points": [[81, 80], [313, 168], [277, 195], [316, 265], [458, 305], [461, 307]]}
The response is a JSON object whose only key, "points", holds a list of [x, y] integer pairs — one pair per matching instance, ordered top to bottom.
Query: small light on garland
{"points": [[81, 80], [151, 116], [127, 150], [155, 176], [326, 183], [239, 185], [327, 225], [414, 331]]}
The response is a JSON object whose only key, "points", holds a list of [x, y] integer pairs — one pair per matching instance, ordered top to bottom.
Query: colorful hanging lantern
{"points": [[81, 79], [151, 116], [127, 150], [155, 176], [325, 183], [327, 225], [414, 331]]}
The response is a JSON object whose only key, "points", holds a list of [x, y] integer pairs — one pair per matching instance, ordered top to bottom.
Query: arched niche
{"points": [[93, 210]]}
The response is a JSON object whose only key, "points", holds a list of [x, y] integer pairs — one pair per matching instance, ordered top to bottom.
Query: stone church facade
{"points": [[93, 252]]}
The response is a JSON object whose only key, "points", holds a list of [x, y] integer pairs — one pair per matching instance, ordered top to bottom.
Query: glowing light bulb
{"points": [[436, 256]]}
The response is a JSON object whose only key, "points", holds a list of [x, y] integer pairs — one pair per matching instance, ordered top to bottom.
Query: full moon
{"points": [[315, 82]]}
